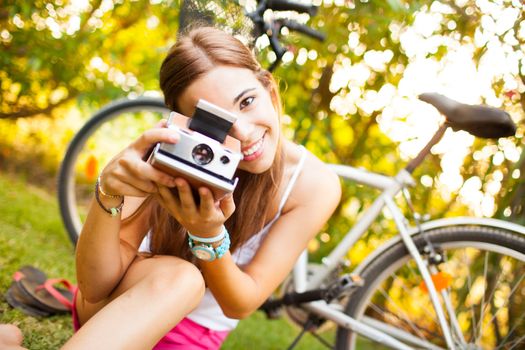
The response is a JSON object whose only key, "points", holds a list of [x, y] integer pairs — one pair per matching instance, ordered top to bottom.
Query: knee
{"points": [[179, 276], [10, 335]]}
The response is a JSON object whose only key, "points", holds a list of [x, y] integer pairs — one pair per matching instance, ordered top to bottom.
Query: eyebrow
{"points": [[238, 97]]}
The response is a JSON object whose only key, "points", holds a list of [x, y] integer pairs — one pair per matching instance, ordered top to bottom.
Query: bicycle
{"points": [[426, 253], [425, 267]]}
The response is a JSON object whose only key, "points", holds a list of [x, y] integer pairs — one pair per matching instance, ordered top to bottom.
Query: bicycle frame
{"points": [[379, 331]]}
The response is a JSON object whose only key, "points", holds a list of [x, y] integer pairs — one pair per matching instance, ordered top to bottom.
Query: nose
{"points": [[242, 130]]}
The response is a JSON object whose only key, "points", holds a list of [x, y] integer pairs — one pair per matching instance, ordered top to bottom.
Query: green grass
{"points": [[31, 232]]}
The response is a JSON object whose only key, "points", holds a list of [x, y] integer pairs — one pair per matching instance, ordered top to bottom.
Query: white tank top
{"points": [[209, 314]]}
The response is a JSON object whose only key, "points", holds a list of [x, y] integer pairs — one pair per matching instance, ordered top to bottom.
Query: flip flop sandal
{"points": [[30, 272], [17, 298], [56, 300], [32, 301]]}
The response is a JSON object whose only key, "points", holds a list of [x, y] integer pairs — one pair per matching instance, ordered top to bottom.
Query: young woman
{"points": [[140, 287]]}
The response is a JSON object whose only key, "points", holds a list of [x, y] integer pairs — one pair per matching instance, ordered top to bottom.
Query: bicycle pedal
{"points": [[350, 281], [272, 308], [274, 314]]}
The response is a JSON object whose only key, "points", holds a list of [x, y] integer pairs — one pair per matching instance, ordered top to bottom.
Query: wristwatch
{"points": [[206, 251]]}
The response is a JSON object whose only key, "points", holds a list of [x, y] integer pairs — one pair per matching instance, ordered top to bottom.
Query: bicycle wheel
{"points": [[104, 135], [483, 274]]}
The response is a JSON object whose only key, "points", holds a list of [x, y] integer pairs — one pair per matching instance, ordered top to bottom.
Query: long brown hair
{"points": [[194, 55]]}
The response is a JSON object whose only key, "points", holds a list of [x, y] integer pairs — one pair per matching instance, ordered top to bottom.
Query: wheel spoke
{"points": [[486, 265], [469, 288], [514, 288], [492, 292], [403, 317], [404, 320], [454, 325], [512, 331], [516, 342]]}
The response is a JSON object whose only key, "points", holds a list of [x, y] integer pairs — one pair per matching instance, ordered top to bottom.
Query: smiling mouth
{"points": [[253, 149]]}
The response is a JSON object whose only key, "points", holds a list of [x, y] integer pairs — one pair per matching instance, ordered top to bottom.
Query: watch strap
{"points": [[198, 248]]}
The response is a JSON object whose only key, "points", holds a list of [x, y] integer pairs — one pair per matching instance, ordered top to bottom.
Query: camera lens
{"points": [[202, 154], [225, 160]]}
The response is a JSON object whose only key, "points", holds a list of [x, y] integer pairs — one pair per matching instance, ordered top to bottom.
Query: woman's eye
{"points": [[246, 102]]}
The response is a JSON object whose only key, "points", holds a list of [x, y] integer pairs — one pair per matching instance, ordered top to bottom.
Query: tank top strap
{"points": [[293, 179]]}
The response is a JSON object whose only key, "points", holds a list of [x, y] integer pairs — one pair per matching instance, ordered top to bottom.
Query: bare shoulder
{"points": [[318, 180], [317, 185]]}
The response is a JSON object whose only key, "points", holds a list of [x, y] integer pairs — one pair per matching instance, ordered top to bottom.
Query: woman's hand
{"points": [[129, 174], [204, 219]]}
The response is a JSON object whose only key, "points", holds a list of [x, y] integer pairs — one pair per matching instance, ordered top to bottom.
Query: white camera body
{"points": [[200, 159]]}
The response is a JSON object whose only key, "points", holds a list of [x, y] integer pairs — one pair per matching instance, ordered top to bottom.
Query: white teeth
{"points": [[253, 149]]}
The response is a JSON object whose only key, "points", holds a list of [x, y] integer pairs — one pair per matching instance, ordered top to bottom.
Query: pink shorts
{"points": [[187, 335]]}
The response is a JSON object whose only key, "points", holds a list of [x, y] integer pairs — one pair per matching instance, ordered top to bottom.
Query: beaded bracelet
{"points": [[104, 193], [111, 211], [224, 247]]}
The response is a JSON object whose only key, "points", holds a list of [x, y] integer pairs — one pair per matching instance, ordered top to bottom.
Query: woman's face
{"points": [[238, 91]]}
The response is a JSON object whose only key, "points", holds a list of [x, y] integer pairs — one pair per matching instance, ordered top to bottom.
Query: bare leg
{"points": [[153, 296], [10, 337]]}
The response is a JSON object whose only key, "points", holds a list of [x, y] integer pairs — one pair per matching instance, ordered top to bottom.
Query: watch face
{"points": [[203, 252]]}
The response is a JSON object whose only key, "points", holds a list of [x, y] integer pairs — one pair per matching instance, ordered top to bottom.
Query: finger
{"points": [[161, 123], [153, 136], [145, 171], [110, 182], [114, 186], [146, 186], [133, 191], [175, 193], [186, 196], [167, 197], [168, 202], [207, 205], [227, 205]]}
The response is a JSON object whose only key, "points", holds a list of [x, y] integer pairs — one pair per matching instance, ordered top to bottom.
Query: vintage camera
{"points": [[204, 155]]}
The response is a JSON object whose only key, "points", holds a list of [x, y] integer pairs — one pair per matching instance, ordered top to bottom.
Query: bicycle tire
{"points": [[66, 182], [491, 241]]}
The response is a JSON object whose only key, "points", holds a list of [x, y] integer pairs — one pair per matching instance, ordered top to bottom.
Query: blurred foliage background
{"points": [[351, 99]]}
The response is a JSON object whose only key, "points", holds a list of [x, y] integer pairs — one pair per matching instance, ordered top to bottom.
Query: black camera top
{"points": [[211, 120]]}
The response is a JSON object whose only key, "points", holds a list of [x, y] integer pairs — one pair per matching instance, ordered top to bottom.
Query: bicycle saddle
{"points": [[481, 121]]}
